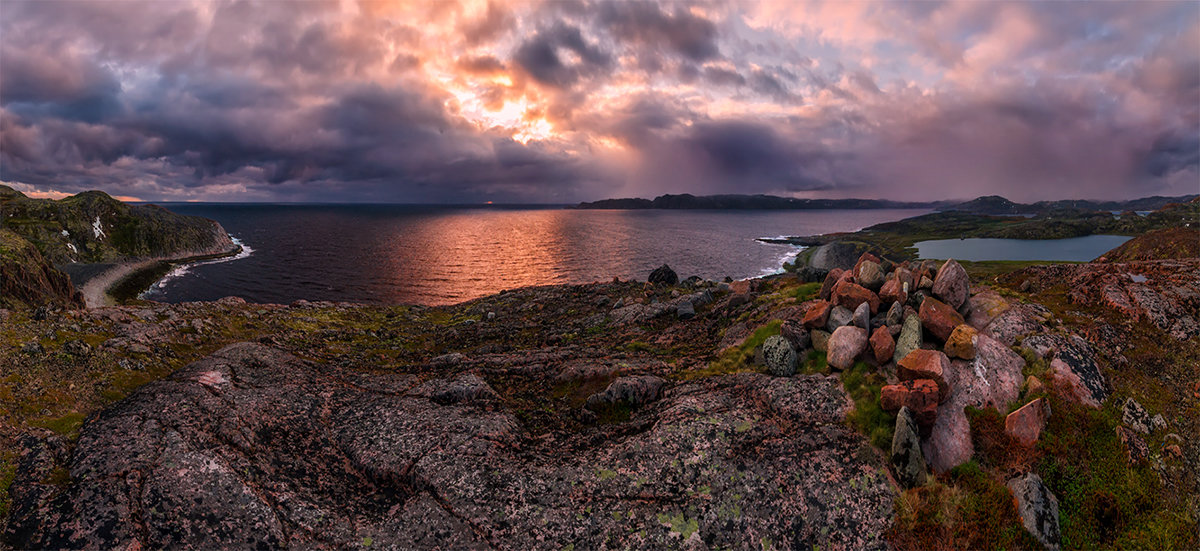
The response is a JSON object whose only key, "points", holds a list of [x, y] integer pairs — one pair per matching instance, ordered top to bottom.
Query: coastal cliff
{"points": [[93, 227], [47, 244]]}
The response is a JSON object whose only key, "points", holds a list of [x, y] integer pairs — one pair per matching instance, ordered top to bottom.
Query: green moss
{"points": [[806, 291], [737, 358], [863, 384], [67, 425], [1103, 500]]}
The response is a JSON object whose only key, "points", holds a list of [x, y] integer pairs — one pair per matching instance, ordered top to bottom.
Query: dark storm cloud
{"points": [[647, 24], [543, 56], [450, 101]]}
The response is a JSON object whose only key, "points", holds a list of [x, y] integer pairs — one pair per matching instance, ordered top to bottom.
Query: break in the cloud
{"points": [[561, 101]]}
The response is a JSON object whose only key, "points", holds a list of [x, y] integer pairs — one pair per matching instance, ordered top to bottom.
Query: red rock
{"points": [[834, 276], [905, 276], [740, 287], [893, 291], [851, 295], [817, 314], [938, 318], [883, 345], [925, 364], [920, 396], [1025, 425]]}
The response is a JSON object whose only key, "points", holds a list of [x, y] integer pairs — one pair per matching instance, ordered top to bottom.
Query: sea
{"points": [[401, 254]]}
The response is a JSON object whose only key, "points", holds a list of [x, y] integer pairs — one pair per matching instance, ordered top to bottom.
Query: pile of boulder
{"points": [[940, 348]]}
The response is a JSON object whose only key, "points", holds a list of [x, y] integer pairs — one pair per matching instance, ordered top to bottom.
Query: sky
{"points": [[556, 102]]}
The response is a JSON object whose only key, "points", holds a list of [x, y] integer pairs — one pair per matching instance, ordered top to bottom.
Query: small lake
{"points": [[1075, 249]]}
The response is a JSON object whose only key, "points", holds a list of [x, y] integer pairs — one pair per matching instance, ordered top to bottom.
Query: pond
{"points": [[1075, 249]]}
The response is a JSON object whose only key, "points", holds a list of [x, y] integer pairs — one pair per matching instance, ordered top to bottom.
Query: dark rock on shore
{"points": [[663, 275], [251, 447]]}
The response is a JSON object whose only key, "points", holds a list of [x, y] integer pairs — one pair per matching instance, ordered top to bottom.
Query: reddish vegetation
{"points": [[1157, 245]]}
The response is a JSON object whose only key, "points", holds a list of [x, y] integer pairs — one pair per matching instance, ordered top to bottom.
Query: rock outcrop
{"points": [[27, 279], [251, 447]]}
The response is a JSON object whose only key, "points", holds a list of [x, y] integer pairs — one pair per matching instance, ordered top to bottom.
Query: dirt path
{"points": [[94, 290]]}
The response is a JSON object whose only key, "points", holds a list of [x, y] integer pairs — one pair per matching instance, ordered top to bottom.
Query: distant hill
{"points": [[748, 202], [991, 204], [994, 204], [93, 227], [1177, 242], [27, 279]]}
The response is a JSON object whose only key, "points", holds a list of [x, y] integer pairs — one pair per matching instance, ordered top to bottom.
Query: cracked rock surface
{"points": [[254, 448]]}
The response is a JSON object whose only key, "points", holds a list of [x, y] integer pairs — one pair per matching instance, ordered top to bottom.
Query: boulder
{"points": [[839, 254], [862, 259], [664, 275], [869, 275], [831, 279], [925, 283], [952, 284], [893, 291], [851, 295], [986, 306], [685, 311], [817, 315], [838, 316], [862, 316], [938, 318], [1017, 321], [796, 334], [909, 339], [820, 340], [961, 343], [845, 345], [883, 346], [779, 356], [925, 364], [1075, 370], [992, 379], [466, 388], [637, 391], [919, 396], [1025, 424], [949, 442], [907, 459], [1038, 509]]}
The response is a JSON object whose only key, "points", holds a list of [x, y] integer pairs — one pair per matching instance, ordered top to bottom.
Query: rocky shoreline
{"points": [[125, 280], [666, 414]]}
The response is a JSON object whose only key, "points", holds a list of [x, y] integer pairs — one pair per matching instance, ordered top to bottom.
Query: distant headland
{"points": [[991, 204]]}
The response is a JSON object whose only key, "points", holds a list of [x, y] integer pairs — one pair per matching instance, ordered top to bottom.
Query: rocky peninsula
{"points": [[862, 400]]}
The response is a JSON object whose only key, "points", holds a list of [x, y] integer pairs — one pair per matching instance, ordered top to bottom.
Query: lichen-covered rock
{"points": [[952, 284], [986, 305], [895, 313], [938, 318], [1017, 321], [796, 334], [909, 339], [961, 343], [845, 346], [779, 356], [1074, 369], [992, 379], [468, 387], [636, 391], [1134, 416], [1025, 424], [251, 448], [1136, 450], [906, 451], [1038, 509]]}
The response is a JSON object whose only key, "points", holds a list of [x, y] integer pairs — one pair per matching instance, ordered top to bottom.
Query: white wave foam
{"points": [[777, 267], [181, 270]]}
